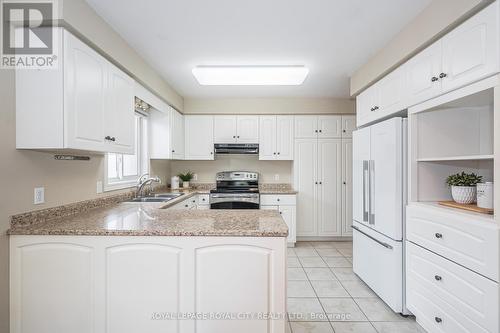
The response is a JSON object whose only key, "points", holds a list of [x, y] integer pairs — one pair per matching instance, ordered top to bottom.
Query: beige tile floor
{"points": [[325, 296]]}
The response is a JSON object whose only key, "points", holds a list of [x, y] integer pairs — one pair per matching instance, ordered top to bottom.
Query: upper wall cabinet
{"points": [[467, 54], [383, 98], [85, 104], [309, 127], [236, 129], [166, 133], [199, 137], [276, 138]]}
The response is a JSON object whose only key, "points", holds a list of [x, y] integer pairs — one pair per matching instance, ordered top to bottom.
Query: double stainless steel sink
{"points": [[160, 197]]}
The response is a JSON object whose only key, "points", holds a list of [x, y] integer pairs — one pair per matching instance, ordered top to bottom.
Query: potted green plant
{"points": [[186, 178], [463, 187]]}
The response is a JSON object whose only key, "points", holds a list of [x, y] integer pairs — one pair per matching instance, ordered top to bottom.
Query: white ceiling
{"points": [[331, 37]]}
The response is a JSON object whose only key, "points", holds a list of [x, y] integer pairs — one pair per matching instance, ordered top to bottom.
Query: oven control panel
{"points": [[238, 175]]}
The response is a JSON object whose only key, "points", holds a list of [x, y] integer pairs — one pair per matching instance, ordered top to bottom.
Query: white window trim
{"points": [[142, 157]]}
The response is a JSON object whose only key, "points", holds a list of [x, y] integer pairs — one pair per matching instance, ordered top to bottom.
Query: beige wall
{"points": [[438, 17], [82, 18], [269, 105], [206, 170]]}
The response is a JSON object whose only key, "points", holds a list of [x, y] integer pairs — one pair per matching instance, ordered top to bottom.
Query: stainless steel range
{"points": [[236, 190]]}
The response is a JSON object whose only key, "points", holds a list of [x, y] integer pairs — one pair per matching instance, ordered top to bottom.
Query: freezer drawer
{"points": [[378, 261], [472, 300]]}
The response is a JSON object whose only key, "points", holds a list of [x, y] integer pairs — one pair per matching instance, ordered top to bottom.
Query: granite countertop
{"points": [[147, 219]]}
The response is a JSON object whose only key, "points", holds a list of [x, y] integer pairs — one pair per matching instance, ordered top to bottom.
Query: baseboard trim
{"points": [[324, 239]]}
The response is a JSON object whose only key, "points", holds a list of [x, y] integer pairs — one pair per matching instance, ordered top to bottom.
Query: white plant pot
{"points": [[185, 184], [463, 194]]}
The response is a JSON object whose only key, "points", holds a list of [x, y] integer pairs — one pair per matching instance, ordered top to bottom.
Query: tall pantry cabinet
{"points": [[322, 175]]}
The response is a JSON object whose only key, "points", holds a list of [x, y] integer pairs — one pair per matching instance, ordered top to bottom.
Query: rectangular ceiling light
{"points": [[250, 75]]}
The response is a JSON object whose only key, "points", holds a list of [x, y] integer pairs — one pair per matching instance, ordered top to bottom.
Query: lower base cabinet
{"points": [[286, 205], [131, 284], [447, 297]]}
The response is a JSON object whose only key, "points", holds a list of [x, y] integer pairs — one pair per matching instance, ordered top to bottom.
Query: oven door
{"points": [[234, 201]]}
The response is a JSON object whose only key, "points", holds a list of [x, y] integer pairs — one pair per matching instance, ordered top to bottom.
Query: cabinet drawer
{"points": [[203, 199], [277, 199], [463, 238], [469, 297]]}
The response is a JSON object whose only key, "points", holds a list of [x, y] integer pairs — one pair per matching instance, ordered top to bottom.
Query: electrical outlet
{"points": [[195, 176], [277, 176], [99, 187], [39, 195]]}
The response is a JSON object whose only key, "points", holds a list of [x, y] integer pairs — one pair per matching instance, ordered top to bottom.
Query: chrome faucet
{"points": [[146, 180]]}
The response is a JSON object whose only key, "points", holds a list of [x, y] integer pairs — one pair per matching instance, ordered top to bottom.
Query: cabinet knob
{"points": [[442, 75], [434, 79], [375, 107], [315, 131], [320, 131], [344, 131], [234, 136], [238, 136], [107, 137], [113, 139], [173, 151], [211, 153], [274, 153], [278, 153], [316, 183], [321, 183], [344, 183], [278, 199], [186, 206], [281, 213], [438, 235], [437, 277], [438, 320]]}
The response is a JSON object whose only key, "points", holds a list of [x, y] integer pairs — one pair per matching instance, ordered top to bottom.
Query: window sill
{"points": [[119, 186]]}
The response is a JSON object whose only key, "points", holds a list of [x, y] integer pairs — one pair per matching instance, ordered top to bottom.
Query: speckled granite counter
{"points": [[148, 219]]}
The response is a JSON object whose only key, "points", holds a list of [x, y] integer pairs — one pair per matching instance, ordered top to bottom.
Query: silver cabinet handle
{"points": [[365, 174], [387, 246]]}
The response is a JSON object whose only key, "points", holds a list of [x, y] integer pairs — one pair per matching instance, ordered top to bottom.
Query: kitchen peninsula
{"points": [[130, 267]]}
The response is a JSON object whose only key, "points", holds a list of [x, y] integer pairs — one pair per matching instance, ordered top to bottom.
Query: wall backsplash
{"points": [[206, 170]]}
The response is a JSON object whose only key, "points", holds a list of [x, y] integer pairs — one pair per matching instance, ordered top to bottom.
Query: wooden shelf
{"points": [[456, 158], [477, 216]]}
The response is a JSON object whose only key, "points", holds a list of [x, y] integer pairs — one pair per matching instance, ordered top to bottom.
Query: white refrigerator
{"points": [[379, 200]]}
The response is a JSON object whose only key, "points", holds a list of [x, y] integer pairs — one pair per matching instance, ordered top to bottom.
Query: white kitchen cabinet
{"points": [[471, 51], [423, 74], [85, 104], [365, 105], [348, 125], [325, 126], [225, 129], [236, 129], [247, 129], [177, 135], [199, 137], [276, 138], [305, 168], [318, 180], [329, 187], [347, 187], [189, 203], [285, 204], [126, 284]]}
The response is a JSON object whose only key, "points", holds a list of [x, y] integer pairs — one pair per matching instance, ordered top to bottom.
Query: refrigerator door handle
{"points": [[371, 180], [365, 188], [373, 238]]}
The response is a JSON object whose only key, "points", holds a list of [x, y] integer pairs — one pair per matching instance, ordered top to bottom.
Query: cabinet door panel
{"points": [[470, 51], [421, 70], [392, 93], [85, 106], [119, 119], [330, 126], [348, 126], [306, 127], [224, 129], [247, 129], [159, 132], [199, 133], [177, 135], [284, 137], [267, 138], [361, 156], [305, 176], [330, 187], [347, 187], [233, 279], [53, 288], [132, 295]]}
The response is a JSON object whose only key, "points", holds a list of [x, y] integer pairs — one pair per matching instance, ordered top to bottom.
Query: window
{"points": [[123, 170]]}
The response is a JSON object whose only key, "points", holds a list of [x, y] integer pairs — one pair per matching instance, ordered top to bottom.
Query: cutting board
{"points": [[469, 207]]}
